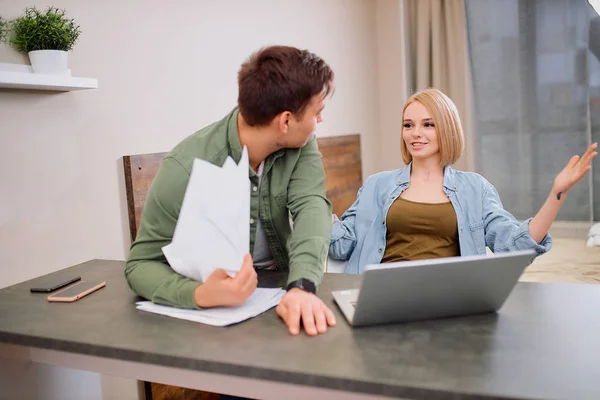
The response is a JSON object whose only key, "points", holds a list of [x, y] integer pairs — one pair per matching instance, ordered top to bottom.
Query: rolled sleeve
{"points": [[502, 230], [338, 231], [343, 236], [524, 241]]}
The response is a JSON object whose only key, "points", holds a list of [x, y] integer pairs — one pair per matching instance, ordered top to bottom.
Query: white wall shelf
{"points": [[18, 76]]}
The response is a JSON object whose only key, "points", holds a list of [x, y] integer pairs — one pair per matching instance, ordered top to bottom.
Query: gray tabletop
{"points": [[543, 344]]}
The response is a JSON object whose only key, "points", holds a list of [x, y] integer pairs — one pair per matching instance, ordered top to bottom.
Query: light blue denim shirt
{"points": [[360, 236]]}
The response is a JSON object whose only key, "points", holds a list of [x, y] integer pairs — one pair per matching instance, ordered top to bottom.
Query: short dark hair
{"points": [[280, 78]]}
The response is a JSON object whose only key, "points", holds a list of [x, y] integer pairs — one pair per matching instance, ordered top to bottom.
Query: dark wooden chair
{"points": [[343, 169]]}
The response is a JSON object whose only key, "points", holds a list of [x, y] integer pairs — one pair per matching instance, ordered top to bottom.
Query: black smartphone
{"points": [[47, 285]]}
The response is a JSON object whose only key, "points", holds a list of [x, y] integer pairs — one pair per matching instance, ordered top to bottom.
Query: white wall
{"points": [[165, 70]]}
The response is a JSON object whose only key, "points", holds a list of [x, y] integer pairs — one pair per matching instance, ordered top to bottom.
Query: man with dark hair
{"points": [[282, 91]]}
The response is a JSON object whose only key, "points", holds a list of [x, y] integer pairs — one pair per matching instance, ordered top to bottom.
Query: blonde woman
{"points": [[429, 210]]}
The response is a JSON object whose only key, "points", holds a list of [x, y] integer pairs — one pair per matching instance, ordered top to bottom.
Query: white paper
{"points": [[213, 228], [260, 301]]}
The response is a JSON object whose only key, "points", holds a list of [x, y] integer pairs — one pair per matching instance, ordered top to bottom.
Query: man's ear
{"points": [[283, 122]]}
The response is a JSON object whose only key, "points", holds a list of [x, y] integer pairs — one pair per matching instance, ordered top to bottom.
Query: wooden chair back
{"points": [[341, 160]]}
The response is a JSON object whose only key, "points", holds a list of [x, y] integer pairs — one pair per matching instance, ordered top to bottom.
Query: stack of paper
{"points": [[213, 228], [260, 301]]}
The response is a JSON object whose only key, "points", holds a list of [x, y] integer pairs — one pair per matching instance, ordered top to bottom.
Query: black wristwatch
{"points": [[304, 284]]}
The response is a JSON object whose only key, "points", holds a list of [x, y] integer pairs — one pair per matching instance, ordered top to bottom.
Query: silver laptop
{"points": [[425, 289]]}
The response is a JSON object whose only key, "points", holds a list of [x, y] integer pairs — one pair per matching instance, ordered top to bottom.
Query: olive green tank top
{"points": [[417, 231]]}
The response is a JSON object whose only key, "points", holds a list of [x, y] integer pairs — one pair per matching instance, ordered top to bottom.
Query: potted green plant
{"points": [[46, 37]]}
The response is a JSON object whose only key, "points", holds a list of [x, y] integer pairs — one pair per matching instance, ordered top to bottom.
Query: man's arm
{"points": [[311, 212], [308, 244], [146, 270]]}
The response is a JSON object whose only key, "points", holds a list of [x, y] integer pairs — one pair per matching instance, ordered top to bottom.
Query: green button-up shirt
{"points": [[293, 183]]}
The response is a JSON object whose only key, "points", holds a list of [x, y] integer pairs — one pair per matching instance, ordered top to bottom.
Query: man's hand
{"points": [[222, 290], [298, 304]]}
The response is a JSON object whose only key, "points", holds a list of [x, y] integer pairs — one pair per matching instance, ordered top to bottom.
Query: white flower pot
{"points": [[49, 61]]}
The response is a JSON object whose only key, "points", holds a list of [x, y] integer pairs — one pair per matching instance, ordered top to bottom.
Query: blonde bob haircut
{"points": [[445, 117]]}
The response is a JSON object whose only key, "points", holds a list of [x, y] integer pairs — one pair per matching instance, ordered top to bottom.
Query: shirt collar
{"points": [[233, 137], [235, 147]]}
